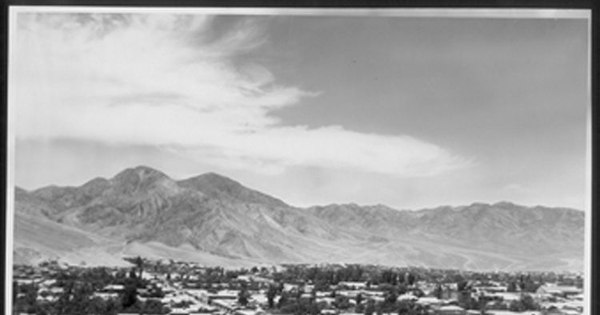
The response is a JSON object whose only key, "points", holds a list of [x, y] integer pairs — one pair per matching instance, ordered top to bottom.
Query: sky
{"points": [[411, 112]]}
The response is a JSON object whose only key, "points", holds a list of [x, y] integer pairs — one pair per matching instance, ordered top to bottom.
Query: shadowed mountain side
{"points": [[211, 216]]}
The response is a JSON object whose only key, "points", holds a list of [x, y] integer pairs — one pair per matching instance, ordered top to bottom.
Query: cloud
{"points": [[170, 81], [517, 188]]}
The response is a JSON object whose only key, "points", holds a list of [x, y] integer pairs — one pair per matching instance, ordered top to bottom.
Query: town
{"points": [[183, 288]]}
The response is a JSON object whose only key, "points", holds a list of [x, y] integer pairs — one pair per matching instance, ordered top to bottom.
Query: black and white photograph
{"points": [[296, 161]]}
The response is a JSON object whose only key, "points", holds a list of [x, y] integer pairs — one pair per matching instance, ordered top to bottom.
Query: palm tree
{"points": [[139, 262]]}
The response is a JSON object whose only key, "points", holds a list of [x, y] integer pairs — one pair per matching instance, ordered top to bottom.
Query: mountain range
{"points": [[214, 220]]}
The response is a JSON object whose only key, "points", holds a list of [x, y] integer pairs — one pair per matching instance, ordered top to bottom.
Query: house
{"points": [[246, 278], [262, 280], [25, 281], [48, 283], [352, 285], [287, 287], [114, 288], [491, 289], [556, 290], [51, 291], [344, 293], [348, 293], [374, 293], [198, 294], [105, 295], [223, 295], [306, 296], [507, 296], [407, 297], [47, 298], [259, 298], [326, 300], [427, 300], [227, 305], [572, 306], [205, 309], [450, 310], [179, 311], [249, 312], [504, 312]]}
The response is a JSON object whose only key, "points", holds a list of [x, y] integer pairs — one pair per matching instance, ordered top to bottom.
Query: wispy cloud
{"points": [[169, 80]]}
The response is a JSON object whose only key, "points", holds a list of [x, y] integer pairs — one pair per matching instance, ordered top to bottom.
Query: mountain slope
{"points": [[223, 188], [211, 216]]}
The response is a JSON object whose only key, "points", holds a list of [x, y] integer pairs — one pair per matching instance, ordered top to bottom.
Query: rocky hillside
{"points": [[211, 218]]}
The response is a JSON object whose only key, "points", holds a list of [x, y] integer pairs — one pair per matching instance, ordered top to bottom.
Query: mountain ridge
{"points": [[144, 168], [216, 215]]}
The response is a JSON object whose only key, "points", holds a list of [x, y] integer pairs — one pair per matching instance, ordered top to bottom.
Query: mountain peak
{"points": [[141, 171], [139, 177], [218, 177], [219, 186]]}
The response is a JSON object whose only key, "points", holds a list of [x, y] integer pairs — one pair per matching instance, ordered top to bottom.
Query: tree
{"points": [[139, 263], [132, 274], [410, 279], [462, 285], [530, 286], [512, 287], [15, 291], [438, 291], [271, 293], [418, 293], [129, 296], [243, 296], [81, 297], [359, 298], [282, 300], [465, 300], [342, 302], [389, 302], [27, 303], [63, 303], [524, 303], [528, 303], [99, 306], [152, 306], [482, 306], [515, 306], [360, 308], [404, 308], [313, 309], [370, 309]]}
